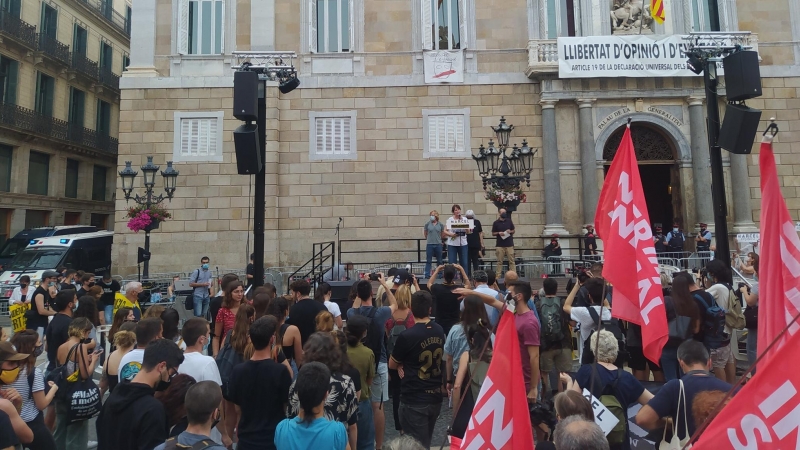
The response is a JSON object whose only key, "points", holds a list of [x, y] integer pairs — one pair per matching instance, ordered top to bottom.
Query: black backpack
{"points": [[552, 323], [608, 325], [713, 326], [376, 334]]}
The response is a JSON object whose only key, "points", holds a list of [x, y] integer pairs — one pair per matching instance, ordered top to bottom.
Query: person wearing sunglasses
{"points": [[132, 418]]}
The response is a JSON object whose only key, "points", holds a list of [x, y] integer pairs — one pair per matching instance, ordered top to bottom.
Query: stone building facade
{"points": [[60, 65], [365, 137]]}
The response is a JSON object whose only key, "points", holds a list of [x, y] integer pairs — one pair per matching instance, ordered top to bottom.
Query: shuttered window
{"points": [[443, 24], [332, 26], [200, 27], [446, 133], [332, 135], [198, 136]]}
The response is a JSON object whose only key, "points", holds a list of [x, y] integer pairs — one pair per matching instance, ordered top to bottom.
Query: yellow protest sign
{"points": [[17, 312]]}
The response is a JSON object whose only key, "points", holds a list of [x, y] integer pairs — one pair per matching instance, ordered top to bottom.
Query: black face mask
{"points": [[503, 216], [23, 286], [163, 385]]}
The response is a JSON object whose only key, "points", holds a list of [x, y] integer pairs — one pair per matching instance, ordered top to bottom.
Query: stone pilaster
{"points": [[588, 158], [701, 170], [552, 177], [740, 190]]}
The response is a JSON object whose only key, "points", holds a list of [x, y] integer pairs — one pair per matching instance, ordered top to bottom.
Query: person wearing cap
{"points": [[503, 230], [703, 238], [675, 240], [590, 241], [659, 241], [474, 243], [42, 296], [10, 400]]}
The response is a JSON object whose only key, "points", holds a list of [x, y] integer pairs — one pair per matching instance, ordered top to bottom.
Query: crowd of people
{"points": [[292, 372]]}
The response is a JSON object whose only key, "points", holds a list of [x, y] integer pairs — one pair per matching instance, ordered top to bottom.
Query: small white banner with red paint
{"points": [[444, 66]]}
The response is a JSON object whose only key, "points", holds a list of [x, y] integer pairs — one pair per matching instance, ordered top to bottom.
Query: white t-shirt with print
{"points": [[456, 241], [130, 364]]}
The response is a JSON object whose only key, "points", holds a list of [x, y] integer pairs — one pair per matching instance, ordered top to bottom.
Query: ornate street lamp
{"points": [[503, 171], [128, 175]]}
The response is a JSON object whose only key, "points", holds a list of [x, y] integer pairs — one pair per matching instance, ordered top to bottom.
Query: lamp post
{"points": [[503, 171], [128, 175]]}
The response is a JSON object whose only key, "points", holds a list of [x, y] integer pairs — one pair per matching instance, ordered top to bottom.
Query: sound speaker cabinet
{"points": [[742, 76], [245, 96], [739, 128], [248, 150]]}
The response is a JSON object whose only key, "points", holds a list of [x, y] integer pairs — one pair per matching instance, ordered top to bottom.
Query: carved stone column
{"points": [[588, 159], [701, 170], [552, 175], [740, 190]]}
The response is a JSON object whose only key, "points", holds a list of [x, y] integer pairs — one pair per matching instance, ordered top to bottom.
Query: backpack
{"points": [[676, 241], [734, 315], [552, 320], [608, 325], [713, 325], [398, 326], [376, 334], [226, 360], [609, 399], [172, 444]]}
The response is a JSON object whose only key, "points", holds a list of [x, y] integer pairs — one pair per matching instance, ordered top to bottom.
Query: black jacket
{"points": [[131, 419]]}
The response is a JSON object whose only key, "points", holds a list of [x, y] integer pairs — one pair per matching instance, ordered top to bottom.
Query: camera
{"points": [[373, 277]]}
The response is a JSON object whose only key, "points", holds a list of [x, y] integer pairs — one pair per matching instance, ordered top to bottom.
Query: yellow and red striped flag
{"points": [[657, 10]]}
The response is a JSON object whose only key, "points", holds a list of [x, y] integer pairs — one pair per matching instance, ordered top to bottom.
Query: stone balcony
{"points": [[543, 55]]}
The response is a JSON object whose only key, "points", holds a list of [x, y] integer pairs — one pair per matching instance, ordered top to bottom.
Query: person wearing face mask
{"points": [[503, 230], [432, 231], [675, 241], [475, 243], [200, 280], [86, 283], [22, 293], [42, 297], [130, 299], [78, 359], [202, 412], [131, 418], [12, 428]]}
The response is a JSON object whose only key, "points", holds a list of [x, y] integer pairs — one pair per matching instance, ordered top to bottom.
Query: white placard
{"points": [[623, 56], [443, 66], [748, 238], [603, 417]]}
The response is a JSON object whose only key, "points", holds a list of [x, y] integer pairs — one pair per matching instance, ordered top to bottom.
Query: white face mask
{"points": [[433, 218]]}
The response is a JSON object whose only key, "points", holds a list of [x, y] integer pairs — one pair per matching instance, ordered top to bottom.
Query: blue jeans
{"points": [[430, 251], [459, 255], [201, 305], [108, 312], [752, 346], [669, 363], [366, 427]]}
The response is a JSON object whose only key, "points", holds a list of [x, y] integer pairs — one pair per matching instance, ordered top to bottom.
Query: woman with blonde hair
{"points": [[432, 231], [403, 320], [324, 321], [124, 342]]}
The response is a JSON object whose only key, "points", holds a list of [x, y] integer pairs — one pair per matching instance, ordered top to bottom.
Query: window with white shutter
{"points": [[443, 24], [331, 26], [200, 27], [446, 133], [332, 135], [198, 137]]}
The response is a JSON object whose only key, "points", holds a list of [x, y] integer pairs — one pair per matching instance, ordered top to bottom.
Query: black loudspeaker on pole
{"points": [[717, 177]]}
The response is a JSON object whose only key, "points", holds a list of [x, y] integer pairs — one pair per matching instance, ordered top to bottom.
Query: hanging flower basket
{"points": [[508, 198], [147, 219]]}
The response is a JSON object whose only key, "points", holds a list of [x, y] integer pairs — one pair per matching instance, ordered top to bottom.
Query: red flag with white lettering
{"points": [[630, 257], [779, 266], [765, 413], [500, 419]]}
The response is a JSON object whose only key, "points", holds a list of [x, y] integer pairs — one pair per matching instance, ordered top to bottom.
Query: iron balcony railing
{"points": [[106, 9], [17, 29], [51, 47], [85, 66], [109, 78], [24, 119]]}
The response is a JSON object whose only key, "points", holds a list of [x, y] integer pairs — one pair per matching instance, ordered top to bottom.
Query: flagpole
{"points": [[749, 370]]}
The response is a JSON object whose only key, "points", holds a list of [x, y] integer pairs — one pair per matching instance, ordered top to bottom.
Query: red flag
{"points": [[630, 258], [779, 267], [765, 414], [500, 419]]}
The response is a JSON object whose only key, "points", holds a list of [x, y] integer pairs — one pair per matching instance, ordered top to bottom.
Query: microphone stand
{"points": [[335, 259]]}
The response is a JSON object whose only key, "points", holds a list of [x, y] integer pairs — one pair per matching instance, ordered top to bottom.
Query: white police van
{"points": [[90, 252]]}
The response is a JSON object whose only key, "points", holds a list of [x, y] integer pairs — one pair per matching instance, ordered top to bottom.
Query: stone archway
{"points": [[667, 128], [650, 144]]}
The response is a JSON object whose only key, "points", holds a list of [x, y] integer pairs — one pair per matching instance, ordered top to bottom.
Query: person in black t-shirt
{"points": [[475, 243], [250, 271], [87, 281], [67, 282], [42, 297], [106, 304], [447, 304], [304, 312], [58, 329], [418, 352], [260, 388]]}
